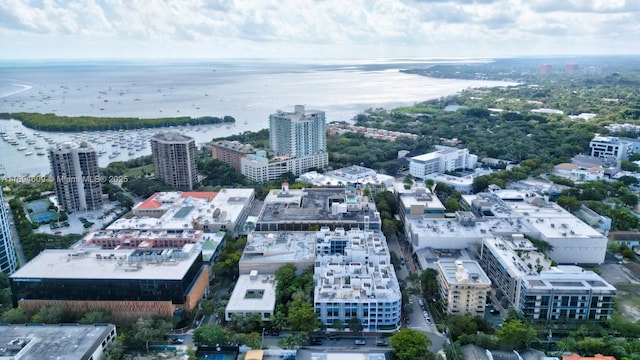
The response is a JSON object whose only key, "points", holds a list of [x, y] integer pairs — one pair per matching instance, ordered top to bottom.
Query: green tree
{"points": [[627, 165], [569, 203], [452, 205], [623, 219], [49, 315], [15, 316], [95, 317], [302, 317], [246, 323], [461, 324], [338, 325], [355, 325], [146, 330], [211, 334], [516, 335], [252, 340], [293, 340], [408, 344]]}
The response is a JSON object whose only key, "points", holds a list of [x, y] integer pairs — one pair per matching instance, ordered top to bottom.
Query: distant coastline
{"points": [[53, 122]]}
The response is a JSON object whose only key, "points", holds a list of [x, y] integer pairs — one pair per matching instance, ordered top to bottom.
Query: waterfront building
{"points": [[298, 133], [174, 159], [444, 159], [76, 176], [8, 260], [355, 278], [127, 283], [464, 287], [56, 342]]}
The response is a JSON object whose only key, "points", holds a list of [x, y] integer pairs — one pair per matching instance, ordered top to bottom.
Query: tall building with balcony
{"points": [[298, 133], [174, 160], [76, 176], [8, 261], [355, 279], [464, 287]]}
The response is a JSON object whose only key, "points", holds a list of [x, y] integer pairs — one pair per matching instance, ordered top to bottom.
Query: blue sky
{"points": [[45, 29]]}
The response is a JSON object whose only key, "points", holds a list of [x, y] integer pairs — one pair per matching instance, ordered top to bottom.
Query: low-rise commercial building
{"points": [[352, 175], [418, 201], [287, 209], [225, 210], [505, 212], [267, 251], [355, 278], [127, 283], [464, 287], [254, 293], [56, 342]]}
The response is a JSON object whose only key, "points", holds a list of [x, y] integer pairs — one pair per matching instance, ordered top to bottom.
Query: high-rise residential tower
{"points": [[297, 134], [174, 159], [76, 176], [8, 262]]}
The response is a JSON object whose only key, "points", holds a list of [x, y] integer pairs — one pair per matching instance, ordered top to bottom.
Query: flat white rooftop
{"points": [[279, 247], [507, 249], [109, 264], [463, 272], [568, 278], [253, 293]]}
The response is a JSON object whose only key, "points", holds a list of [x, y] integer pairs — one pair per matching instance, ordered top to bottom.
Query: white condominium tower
{"points": [[298, 133], [174, 160], [76, 176], [8, 262]]}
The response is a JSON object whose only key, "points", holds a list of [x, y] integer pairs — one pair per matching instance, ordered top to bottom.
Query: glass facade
{"points": [[106, 289]]}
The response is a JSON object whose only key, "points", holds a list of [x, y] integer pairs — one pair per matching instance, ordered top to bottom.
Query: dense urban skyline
{"points": [[316, 29]]}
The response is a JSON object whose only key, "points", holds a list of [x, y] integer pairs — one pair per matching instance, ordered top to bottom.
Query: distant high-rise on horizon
{"points": [[299, 133], [174, 159], [76, 176], [8, 261]]}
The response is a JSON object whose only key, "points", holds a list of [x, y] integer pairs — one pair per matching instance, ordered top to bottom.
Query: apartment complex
{"points": [[298, 133], [231, 152], [445, 158], [174, 159], [259, 168], [76, 176], [8, 260], [355, 278], [525, 280], [127, 283], [464, 287], [566, 293]]}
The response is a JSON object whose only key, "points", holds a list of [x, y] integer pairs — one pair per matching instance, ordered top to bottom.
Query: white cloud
{"points": [[310, 28]]}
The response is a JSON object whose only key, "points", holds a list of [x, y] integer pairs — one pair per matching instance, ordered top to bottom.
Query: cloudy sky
{"points": [[316, 28]]}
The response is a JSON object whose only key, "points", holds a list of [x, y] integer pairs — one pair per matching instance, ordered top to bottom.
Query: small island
{"points": [[53, 122]]}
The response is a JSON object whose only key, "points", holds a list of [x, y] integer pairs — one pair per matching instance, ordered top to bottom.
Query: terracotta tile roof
{"points": [[150, 203]]}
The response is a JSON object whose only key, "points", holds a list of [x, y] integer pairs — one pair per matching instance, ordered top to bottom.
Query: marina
{"points": [[19, 142]]}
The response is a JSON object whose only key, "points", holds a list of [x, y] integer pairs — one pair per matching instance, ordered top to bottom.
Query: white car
{"points": [[360, 342]]}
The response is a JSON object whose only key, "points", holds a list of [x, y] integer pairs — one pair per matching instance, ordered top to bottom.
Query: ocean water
{"points": [[247, 90]]}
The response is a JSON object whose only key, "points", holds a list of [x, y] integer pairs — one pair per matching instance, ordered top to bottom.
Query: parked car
{"points": [[421, 302], [494, 311], [272, 333], [332, 336], [315, 341], [360, 342], [381, 342]]}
